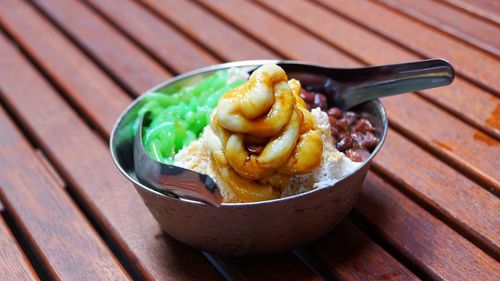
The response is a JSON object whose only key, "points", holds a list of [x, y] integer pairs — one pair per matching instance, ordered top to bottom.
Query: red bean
{"points": [[320, 101], [335, 112], [342, 124], [363, 126], [369, 141], [344, 144], [357, 154]]}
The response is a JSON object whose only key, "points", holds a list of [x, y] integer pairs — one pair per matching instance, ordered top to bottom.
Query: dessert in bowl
{"points": [[284, 182]]}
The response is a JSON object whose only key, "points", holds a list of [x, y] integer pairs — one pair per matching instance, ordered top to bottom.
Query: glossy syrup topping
{"points": [[263, 134]]}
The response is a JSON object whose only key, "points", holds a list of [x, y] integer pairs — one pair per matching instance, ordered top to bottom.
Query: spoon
{"points": [[348, 87], [344, 88], [173, 180]]}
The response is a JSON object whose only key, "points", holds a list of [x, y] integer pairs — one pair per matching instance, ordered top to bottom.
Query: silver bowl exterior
{"points": [[236, 229]]}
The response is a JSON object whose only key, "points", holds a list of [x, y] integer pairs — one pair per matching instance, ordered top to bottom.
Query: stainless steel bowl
{"points": [[246, 228]]}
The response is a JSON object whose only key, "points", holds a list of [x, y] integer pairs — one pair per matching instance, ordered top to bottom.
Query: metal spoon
{"points": [[348, 87], [344, 88], [175, 181]]}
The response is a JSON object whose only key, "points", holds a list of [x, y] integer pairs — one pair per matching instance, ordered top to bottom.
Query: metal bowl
{"points": [[246, 228]]}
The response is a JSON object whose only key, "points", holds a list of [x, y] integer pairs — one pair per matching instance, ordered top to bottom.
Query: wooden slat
{"points": [[485, 9], [457, 23], [211, 31], [280, 36], [160, 39], [423, 40], [112, 50], [103, 99], [464, 99], [468, 149], [84, 162], [50, 169], [454, 196], [48, 217], [431, 245], [353, 256], [13, 263]]}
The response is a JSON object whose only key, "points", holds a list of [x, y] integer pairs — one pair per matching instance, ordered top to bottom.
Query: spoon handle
{"points": [[386, 80]]}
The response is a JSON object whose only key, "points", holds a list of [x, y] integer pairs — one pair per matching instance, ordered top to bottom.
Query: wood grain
{"points": [[486, 9], [466, 27], [209, 30], [273, 33], [166, 43], [115, 53], [474, 64], [91, 90], [462, 98], [467, 148], [83, 160], [50, 169], [454, 196], [48, 217], [431, 245], [353, 256], [13, 264]]}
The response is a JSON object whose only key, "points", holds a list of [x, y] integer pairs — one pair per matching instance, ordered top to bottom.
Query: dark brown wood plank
{"points": [[486, 9], [457, 23], [214, 34], [280, 36], [423, 40], [172, 47], [112, 50], [97, 96], [462, 98], [466, 148], [50, 169], [93, 178], [455, 197], [47, 216], [435, 248], [353, 256], [13, 264]]}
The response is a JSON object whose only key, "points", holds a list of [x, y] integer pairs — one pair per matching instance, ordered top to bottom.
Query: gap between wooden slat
{"points": [[472, 10], [156, 15], [125, 34], [461, 36], [126, 88], [487, 88], [95, 127], [50, 168], [56, 174], [432, 210], [365, 226], [27, 248]]}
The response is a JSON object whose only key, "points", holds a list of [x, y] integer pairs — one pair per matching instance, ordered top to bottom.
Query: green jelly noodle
{"points": [[177, 116]]}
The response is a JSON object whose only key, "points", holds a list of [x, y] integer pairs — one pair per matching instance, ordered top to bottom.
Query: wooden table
{"points": [[429, 208]]}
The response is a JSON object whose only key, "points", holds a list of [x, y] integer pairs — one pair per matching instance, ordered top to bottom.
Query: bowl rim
{"points": [[246, 63]]}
